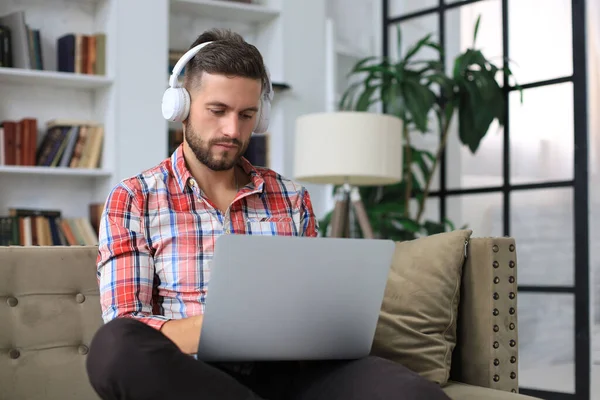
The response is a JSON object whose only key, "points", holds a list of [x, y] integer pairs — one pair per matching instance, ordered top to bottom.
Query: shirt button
{"points": [[227, 231]]}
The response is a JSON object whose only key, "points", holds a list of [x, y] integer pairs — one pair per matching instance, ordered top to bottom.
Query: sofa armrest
{"points": [[486, 353]]}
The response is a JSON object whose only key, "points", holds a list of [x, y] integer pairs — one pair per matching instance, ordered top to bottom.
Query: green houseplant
{"points": [[422, 94]]}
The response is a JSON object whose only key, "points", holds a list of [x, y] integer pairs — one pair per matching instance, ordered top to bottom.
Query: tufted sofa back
{"points": [[49, 312]]}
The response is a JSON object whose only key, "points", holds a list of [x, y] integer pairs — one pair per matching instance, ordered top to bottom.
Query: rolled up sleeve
{"points": [[125, 266]]}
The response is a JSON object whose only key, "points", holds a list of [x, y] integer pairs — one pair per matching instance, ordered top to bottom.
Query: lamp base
{"points": [[348, 197]]}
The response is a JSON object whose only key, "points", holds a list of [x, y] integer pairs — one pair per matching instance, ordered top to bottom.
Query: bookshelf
{"points": [[225, 10], [19, 76], [126, 98]]}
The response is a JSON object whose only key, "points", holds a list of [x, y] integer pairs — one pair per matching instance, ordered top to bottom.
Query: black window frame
{"points": [[580, 290]]}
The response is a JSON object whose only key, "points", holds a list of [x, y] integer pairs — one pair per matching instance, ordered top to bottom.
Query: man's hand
{"points": [[185, 333]]}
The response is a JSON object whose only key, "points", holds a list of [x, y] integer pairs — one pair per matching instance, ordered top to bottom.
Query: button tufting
{"points": [[495, 248], [496, 264], [511, 264], [80, 298], [12, 301], [83, 350], [14, 354]]}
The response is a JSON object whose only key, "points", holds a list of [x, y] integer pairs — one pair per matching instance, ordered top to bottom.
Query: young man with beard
{"points": [[156, 241]]}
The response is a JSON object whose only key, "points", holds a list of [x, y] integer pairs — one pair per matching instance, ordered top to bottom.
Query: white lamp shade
{"points": [[359, 148]]}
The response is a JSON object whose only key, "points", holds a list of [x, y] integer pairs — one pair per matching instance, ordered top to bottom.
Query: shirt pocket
{"points": [[272, 226]]}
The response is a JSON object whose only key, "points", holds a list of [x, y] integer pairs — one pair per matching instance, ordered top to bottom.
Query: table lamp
{"points": [[349, 149]]}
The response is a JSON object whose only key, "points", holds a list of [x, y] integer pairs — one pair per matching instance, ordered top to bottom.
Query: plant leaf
{"points": [[476, 29]]}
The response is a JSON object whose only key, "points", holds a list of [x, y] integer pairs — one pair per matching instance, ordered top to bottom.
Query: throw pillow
{"points": [[417, 322]]}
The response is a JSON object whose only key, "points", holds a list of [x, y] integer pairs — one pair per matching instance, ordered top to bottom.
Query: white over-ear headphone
{"points": [[176, 99]]}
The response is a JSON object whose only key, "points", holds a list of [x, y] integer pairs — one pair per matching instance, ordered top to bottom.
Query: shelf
{"points": [[225, 10], [53, 78], [54, 171]]}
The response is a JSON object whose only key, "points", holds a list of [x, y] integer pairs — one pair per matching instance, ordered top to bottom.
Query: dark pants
{"points": [[130, 360]]}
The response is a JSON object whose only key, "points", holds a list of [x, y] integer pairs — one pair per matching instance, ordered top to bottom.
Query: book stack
{"points": [[20, 45], [82, 54], [18, 142], [72, 144], [38, 227]]}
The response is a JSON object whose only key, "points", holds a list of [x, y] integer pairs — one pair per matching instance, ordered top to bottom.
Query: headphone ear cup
{"points": [[175, 104], [263, 119]]}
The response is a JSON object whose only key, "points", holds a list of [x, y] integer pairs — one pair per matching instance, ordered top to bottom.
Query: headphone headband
{"points": [[173, 79]]}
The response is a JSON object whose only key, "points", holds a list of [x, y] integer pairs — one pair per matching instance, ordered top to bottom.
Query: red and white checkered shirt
{"points": [[158, 232]]}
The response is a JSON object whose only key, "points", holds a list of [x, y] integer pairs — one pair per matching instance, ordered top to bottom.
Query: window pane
{"points": [[398, 8], [412, 31], [540, 39], [541, 134], [484, 168], [480, 212], [542, 225], [546, 341]]}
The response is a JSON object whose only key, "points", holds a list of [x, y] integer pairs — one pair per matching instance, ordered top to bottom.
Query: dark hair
{"points": [[229, 55]]}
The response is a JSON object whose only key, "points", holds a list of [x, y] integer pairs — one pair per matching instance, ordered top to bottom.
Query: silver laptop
{"points": [[293, 298]]}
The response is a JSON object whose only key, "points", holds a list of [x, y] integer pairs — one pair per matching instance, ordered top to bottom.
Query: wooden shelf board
{"points": [[226, 10], [53, 78], [53, 171]]}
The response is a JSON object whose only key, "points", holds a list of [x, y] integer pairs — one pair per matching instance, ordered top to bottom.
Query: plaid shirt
{"points": [[158, 232]]}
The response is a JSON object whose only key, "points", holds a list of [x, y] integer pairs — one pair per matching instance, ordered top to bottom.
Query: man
{"points": [[156, 241]]}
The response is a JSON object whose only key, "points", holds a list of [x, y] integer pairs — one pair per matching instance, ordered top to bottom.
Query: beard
{"points": [[205, 153]]}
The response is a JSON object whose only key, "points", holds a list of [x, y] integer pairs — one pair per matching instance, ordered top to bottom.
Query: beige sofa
{"points": [[49, 312]]}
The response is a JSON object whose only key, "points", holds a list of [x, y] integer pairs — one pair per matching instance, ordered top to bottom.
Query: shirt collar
{"points": [[183, 175]]}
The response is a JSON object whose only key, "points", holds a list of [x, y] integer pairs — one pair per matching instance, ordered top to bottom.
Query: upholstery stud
{"points": [[511, 247], [495, 248], [496, 264], [511, 264], [511, 279], [496, 280], [512, 295], [496, 296], [80, 298], [12, 301], [511, 311], [496, 312], [511, 326], [496, 328], [512, 343], [496, 345], [83, 350], [14, 354], [513, 359], [496, 362], [513, 375], [496, 378], [514, 390]]}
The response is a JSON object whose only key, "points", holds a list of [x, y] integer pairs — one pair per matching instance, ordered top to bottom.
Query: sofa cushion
{"points": [[417, 323], [461, 391]]}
